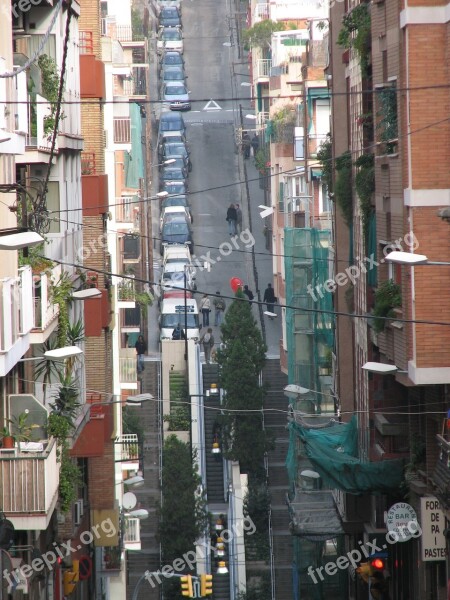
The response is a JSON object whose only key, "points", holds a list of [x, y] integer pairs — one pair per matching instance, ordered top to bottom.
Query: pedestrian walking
{"points": [[246, 144], [255, 144], [231, 219], [238, 219], [248, 293], [269, 298], [205, 309], [219, 309], [178, 333], [207, 340], [141, 349]]}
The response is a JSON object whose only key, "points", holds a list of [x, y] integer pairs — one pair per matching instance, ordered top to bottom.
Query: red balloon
{"points": [[236, 283]]}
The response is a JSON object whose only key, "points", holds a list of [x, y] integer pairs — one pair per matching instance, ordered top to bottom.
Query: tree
{"points": [[260, 35], [241, 360], [183, 512]]}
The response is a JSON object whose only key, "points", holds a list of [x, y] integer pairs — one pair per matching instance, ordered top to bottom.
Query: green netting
{"points": [[134, 161], [310, 333], [332, 452]]}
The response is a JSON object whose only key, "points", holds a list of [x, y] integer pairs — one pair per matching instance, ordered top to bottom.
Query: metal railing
{"points": [[261, 13], [263, 67], [127, 210], [127, 370], [128, 446], [132, 533]]}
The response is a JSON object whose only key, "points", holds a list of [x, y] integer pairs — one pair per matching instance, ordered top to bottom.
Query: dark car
{"points": [[169, 17], [171, 59], [172, 73], [171, 121], [172, 149], [176, 162], [172, 174], [175, 188], [177, 231]]}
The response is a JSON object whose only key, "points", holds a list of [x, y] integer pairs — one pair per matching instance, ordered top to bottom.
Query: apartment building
{"points": [[390, 132]]}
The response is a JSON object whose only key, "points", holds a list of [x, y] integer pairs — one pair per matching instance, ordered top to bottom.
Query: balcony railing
{"points": [[262, 12], [128, 33], [263, 67], [137, 84], [122, 130], [88, 166], [127, 211], [126, 291], [16, 308], [45, 311], [127, 366], [128, 447], [28, 481], [132, 534]]}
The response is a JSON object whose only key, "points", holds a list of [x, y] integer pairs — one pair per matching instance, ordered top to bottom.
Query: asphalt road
{"points": [[217, 176]]}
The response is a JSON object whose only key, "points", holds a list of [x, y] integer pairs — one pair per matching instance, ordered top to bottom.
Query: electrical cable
{"points": [[36, 55], [296, 308]]}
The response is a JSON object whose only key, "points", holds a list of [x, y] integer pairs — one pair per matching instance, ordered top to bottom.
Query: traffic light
{"points": [[373, 573], [71, 578], [206, 585], [186, 586], [378, 586]]}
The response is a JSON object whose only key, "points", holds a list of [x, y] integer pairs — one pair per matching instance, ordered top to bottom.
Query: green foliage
{"points": [[137, 27], [356, 34], [260, 35], [50, 89], [283, 123], [387, 123], [325, 157], [262, 159], [343, 186], [365, 187], [35, 260], [61, 292], [387, 297], [144, 300], [241, 361], [47, 369], [66, 398], [179, 417], [131, 422], [58, 427], [21, 429], [69, 481], [257, 505], [183, 511], [260, 590]]}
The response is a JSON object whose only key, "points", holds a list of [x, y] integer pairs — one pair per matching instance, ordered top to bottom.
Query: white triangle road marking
{"points": [[212, 105]]}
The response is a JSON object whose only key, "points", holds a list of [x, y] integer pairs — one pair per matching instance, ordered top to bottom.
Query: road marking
{"points": [[212, 105], [195, 111], [265, 210], [204, 214], [218, 259]]}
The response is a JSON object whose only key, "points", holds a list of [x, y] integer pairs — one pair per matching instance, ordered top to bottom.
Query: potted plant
{"points": [[22, 430], [7, 438]]}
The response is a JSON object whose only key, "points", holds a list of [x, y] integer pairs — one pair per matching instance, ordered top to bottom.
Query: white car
{"points": [[170, 38], [175, 95], [172, 212], [177, 253], [172, 277]]}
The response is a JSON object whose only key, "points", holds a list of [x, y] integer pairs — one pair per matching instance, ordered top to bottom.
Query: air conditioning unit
{"points": [[78, 508]]}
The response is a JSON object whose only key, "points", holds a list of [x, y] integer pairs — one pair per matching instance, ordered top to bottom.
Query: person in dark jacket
{"points": [[255, 144], [246, 145], [232, 220], [248, 293], [269, 298], [178, 333], [141, 349]]}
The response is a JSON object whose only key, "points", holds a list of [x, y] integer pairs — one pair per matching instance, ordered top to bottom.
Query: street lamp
{"points": [[23, 239], [409, 258], [86, 294], [57, 354], [381, 368]]}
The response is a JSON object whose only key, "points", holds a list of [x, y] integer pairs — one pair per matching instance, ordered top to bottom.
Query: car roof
{"points": [[176, 84], [174, 209], [174, 267], [172, 302]]}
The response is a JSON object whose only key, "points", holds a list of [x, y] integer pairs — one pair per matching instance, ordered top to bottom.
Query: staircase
{"points": [[214, 476], [278, 478]]}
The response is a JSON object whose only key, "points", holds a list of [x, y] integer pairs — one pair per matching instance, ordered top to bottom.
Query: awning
{"points": [[314, 516]]}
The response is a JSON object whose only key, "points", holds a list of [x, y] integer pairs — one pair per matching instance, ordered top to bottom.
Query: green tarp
{"points": [[333, 453]]}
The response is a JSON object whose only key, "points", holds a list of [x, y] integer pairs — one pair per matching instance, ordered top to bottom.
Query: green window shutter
{"points": [[281, 197]]}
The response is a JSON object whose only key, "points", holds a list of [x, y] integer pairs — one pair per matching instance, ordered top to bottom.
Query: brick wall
{"points": [[101, 479]]}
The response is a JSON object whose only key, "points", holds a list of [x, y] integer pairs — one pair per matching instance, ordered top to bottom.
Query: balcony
{"points": [[261, 12], [263, 67], [92, 76], [135, 87], [94, 186], [127, 212], [131, 249], [126, 294], [45, 312], [16, 318], [127, 366], [94, 428], [127, 446], [29, 486], [132, 534]]}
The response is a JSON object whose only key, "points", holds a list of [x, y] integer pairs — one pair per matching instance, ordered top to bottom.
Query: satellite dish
{"points": [[129, 500]]}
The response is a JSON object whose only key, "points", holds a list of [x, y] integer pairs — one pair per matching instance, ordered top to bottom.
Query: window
{"points": [[387, 118], [299, 143], [281, 197]]}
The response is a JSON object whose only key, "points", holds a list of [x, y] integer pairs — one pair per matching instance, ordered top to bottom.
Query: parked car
{"points": [[164, 3], [169, 17], [169, 38], [171, 58], [172, 73], [176, 95], [171, 122], [172, 149], [179, 161], [173, 173], [175, 188], [180, 201], [169, 213], [177, 231], [179, 253], [173, 277]]}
